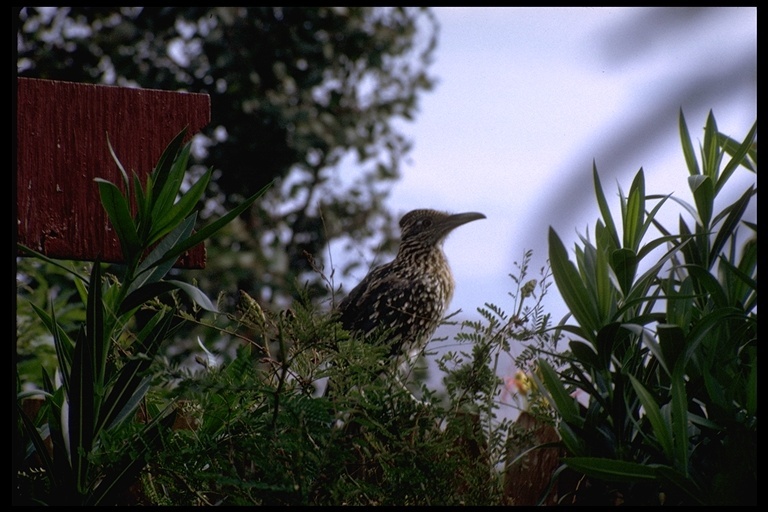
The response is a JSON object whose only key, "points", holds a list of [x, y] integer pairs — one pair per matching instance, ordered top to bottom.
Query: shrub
{"points": [[666, 359]]}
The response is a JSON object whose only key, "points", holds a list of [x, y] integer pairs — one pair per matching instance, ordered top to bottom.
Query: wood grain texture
{"points": [[62, 130]]}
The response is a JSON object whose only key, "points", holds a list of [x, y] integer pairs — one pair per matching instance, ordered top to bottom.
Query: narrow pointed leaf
{"points": [[688, 151], [711, 155], [738, 157], [120, 167], [161, 172], [703, 190], [166, 196], [142, 208], [181, 209], [605, 210], [635, 212], [734, 212], [120, 217], [212, 228], [24, 249], [624, 264], [155, 265], [708, 282], [571, 287], [196, 294], [95, 333], [62, 343], [671, 344], [128, 386], [560, 398], [81, 409], [680, 419], [661, 430], [37, 440], [611, 470], [125, 472], [683, 483]]}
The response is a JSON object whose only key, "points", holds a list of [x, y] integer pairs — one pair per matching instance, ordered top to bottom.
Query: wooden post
{"points": [[62, 130], [526, 482]]}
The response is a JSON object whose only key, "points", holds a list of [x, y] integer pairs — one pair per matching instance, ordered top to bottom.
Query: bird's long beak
{"points": [[458, 219], [451, 222]]}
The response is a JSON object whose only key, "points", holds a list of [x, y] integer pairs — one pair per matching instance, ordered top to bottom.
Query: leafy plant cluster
{"points": [[664, 360], [654, 400], [88, 415], [122, 423], [266, 433]]}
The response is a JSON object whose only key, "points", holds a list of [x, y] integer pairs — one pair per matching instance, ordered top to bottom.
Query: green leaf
{"points": [[688, 151], [711, 155], [738, 157], [120, 167], [162, 172], [167, 189], [703, 189], [142, 208], [181, 209], [605, 210], [635, 212], [734, 213], [119, 215], [144, 220], [650, 220], [212, 228], [24, 249], [692, 252], [624, 264], [155, 266], [704, 280], [741, 281], [644, 282], [571, 287], [152, 290], [144, 293], [194, 293], [606, 296], [702, 329], [96, 335], [606, 342], [62, 343], [671, 344], [585, 354], [751, 388], [128, 389], [561, 400], [81, 410], [680, 419], [662, 431], [571, 440], [40, 448], [611, 470], [125, 472], [683, 483]]}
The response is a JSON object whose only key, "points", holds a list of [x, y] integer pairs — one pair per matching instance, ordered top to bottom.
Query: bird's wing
{"points": [[368, 305]]}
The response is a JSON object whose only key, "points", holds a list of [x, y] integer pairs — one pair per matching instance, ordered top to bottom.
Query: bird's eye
{"points": [[426, 223]]}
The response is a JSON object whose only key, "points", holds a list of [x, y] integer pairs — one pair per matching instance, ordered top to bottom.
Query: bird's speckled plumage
{"points": [[408, 296]]}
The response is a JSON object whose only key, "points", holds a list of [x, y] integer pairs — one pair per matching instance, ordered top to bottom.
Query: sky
{"points": [[528, 98]]}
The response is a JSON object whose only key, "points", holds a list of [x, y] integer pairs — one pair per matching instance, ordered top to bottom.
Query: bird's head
{"points": [[430, 227]]}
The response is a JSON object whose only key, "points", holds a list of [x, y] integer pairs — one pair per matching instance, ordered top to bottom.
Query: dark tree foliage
{"points": [[294, 92]]}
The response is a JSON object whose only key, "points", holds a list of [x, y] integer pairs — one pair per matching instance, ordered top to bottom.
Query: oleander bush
{"points": [[663, 344]]}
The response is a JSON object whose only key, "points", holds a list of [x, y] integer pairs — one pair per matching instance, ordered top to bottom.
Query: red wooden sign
{"points": [[62, 130]]}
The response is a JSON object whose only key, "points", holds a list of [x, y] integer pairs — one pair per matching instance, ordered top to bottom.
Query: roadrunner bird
{"points": [[408, 296]]}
